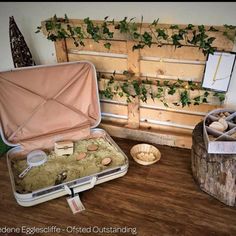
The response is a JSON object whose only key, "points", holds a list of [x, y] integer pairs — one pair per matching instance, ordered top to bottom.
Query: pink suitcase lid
{"points": [[42, 104]]}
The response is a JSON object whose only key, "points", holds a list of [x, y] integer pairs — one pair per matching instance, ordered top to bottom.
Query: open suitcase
{"points": [[42, 105]]}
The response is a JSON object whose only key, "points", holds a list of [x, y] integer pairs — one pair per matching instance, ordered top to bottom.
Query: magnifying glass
{"points": [[34, 158]]}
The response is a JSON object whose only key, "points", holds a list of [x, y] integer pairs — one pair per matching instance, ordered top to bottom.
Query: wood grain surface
{"points": [[161, 199]]}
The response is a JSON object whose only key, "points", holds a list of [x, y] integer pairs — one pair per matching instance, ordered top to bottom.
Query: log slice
{"points": [[214, 173]]}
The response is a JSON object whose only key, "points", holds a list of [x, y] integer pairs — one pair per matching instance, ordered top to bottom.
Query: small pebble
{"points": [[227, 114], [233, 135], [92, 147], [81, 156], [146, 156], [106, 161]]}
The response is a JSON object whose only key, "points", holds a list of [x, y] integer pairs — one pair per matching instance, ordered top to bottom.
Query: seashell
{"points": [[227, 114], [224, 123], [217, 126], [233, 135], [92, 147], [80, 156], [146, 156], [106, 161]]}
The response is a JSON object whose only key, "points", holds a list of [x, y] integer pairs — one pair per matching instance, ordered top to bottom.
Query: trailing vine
{"points": [[60, 28], [144, 89]]}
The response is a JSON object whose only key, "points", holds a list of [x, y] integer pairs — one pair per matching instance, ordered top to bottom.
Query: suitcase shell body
{"points": [[36, 131]]}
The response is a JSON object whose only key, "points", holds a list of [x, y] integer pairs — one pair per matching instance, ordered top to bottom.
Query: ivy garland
{"points": [[60, 28], [131, 88]]}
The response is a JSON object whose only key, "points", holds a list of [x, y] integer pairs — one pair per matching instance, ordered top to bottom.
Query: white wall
{"points": [[28, 16]]}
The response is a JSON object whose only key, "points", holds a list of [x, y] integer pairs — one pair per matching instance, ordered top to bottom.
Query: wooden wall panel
{"points": [[119, 47], [61, 51], [170, 52], [104, 64], [171, 70], [115, 109], [178, 119], [149, 120]]}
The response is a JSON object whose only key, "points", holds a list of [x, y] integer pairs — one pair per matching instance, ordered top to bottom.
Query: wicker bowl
{"points": [[152, 154]]}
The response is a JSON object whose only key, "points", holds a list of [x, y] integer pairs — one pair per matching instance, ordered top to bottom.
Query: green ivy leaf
{"points": [[66, 19], [155, 22], [49, 25], [174, 27], [189, 27], [231, 27], [201, 28], [213, 29], [161, 33], [110, 34], [136, 35], [52, 37], [147, 38], [210, 40], [82, 43], [76, 44], [107, 45], [137, 46], [111, 81], [166, 82], [135, 84], [172, 90], [121, 94], [206, 94], [220, 95], [184, 98], [197, 99], [176, 104]]}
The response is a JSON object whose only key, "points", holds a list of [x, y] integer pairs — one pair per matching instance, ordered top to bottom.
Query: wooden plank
{"points": [[116, 46], [61, 51], [168, 51], [106, 64], [134, 66], [171, 70], [116, 109], [155, 115], [172, 117], [109, 119], [148, 126], [165, 128], [146, 135]]}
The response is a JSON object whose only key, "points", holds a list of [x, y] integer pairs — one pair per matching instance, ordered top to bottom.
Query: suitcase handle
{"points": [[82, 186]]}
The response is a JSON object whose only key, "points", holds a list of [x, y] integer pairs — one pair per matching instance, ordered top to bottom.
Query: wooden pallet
{"points": [[150, 121]]}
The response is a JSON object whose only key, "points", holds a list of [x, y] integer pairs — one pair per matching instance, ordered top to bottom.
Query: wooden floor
{"points": [[161, 199]]}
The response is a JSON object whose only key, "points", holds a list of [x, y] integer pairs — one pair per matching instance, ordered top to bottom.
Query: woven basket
{"points": [[145, 148]]}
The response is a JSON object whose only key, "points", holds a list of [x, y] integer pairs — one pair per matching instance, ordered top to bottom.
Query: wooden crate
{"points": [[151, 121], [223, 142]]}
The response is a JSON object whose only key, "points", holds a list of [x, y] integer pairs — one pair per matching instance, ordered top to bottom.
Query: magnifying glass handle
{"points": [[25, 172]]}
